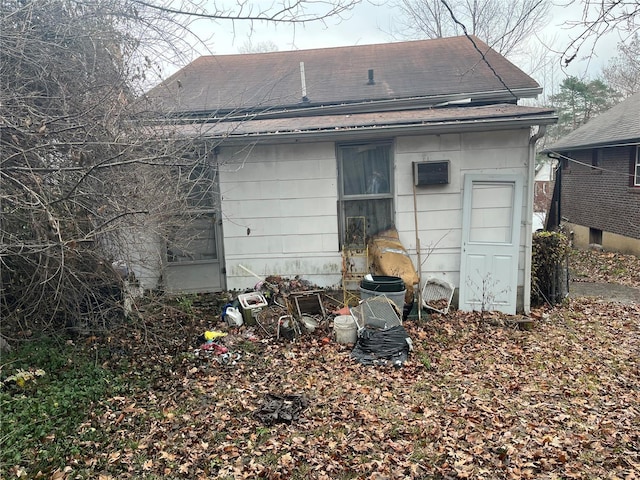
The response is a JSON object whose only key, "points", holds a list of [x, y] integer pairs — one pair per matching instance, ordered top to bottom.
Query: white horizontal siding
{"points": [[498, 140], [426, 144], [280, 189], [279, 204], [439, 207], [245, 210], [279, 213], [264, 226], [142, 250]]}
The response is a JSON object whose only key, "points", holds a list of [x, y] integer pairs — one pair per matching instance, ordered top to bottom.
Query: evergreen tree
{"points": [[578, 101]]}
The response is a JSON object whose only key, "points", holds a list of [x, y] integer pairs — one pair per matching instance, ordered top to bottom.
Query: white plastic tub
{"points": [[251, 303], [345, 329]]}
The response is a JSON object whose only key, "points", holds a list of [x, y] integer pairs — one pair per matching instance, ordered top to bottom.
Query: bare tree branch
{"points": [[287, 11], [599, 18], [502, 24], [623, 71], [83, 174]]}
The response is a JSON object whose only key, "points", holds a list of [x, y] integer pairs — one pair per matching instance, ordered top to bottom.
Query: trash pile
{"points": [[275, 285], [281, 308], [285, 310], [210, 345]]}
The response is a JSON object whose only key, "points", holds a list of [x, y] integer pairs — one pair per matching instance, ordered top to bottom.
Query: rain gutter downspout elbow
{"points": [[555, 156], [528, 246]]}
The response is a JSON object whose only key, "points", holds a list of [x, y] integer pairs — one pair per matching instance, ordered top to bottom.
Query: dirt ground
{"points": [[607, 276], [606, 291]]}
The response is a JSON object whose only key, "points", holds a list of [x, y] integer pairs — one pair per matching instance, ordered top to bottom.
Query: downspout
{"points": [[558, 188], [528, 246]]}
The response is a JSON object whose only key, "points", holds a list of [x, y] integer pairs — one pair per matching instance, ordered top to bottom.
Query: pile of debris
{"points": [[284, 309], [381, 338], [278, 408]]}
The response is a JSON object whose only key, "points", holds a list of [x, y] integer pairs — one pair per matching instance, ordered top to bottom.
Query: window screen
{"points": [[193, 241]]}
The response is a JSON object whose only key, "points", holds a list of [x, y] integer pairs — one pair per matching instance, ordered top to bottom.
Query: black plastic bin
{"points": [[383, 284]]}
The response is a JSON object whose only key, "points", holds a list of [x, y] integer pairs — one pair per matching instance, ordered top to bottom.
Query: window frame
{"points": [[635, 179], [344, 199], [195, 211], [188, 224]]}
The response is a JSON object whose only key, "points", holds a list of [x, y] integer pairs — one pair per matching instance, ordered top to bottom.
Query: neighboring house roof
{"points": [[423, 72], [433, 120], [618, 125]]}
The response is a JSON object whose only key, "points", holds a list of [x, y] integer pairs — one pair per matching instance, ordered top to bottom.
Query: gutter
{"points": [[358, 106], [366, 132], [554, 150], [528, 246]]}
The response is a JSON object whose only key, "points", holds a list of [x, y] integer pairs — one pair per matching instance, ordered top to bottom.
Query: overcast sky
{"points": [[371, 21], [366, 23]]}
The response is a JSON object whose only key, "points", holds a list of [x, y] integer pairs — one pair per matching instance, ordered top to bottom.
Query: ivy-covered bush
{"points": [[549, 267]]}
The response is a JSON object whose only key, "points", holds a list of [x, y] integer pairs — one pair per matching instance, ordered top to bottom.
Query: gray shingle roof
{"points": [[439, 67], [619, 124]]}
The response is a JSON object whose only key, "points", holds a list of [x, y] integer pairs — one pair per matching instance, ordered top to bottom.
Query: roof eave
{"points": [[362, 106], [366, 132], [608, 144]]}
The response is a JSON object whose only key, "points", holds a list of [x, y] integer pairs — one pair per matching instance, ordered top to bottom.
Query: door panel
{"points": [[492, 207]]}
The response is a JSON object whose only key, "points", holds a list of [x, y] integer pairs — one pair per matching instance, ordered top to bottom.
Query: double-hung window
{"points": [[366, 189]]}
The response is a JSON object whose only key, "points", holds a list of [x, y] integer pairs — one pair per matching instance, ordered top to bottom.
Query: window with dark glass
{"points": [[596, 158], [366, 188], [193, 236]]}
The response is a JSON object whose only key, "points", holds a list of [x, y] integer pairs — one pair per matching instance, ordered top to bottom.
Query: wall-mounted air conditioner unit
{"points": [[431, 173]]}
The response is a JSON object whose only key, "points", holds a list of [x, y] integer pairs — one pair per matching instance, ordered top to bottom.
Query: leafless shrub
{"points": [[82, 176]]}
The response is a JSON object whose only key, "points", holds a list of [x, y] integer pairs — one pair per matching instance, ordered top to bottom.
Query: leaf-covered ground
{"points": [[612, 267], [477, 399]]}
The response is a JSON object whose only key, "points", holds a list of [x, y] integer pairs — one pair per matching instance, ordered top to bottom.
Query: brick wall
{"points": [[542, 193], [602, 199]]}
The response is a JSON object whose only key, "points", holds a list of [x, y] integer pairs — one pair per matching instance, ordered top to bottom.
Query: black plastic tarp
{"points": [[388, 346]]}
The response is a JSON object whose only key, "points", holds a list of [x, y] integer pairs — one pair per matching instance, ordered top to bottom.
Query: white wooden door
{"points": [[492, 209]]}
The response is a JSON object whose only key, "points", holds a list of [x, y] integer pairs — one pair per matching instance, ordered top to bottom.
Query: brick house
{"points": [[600, 179]]}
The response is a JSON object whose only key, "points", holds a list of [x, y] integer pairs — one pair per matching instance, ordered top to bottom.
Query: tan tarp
{"points": [[389, 257]]}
